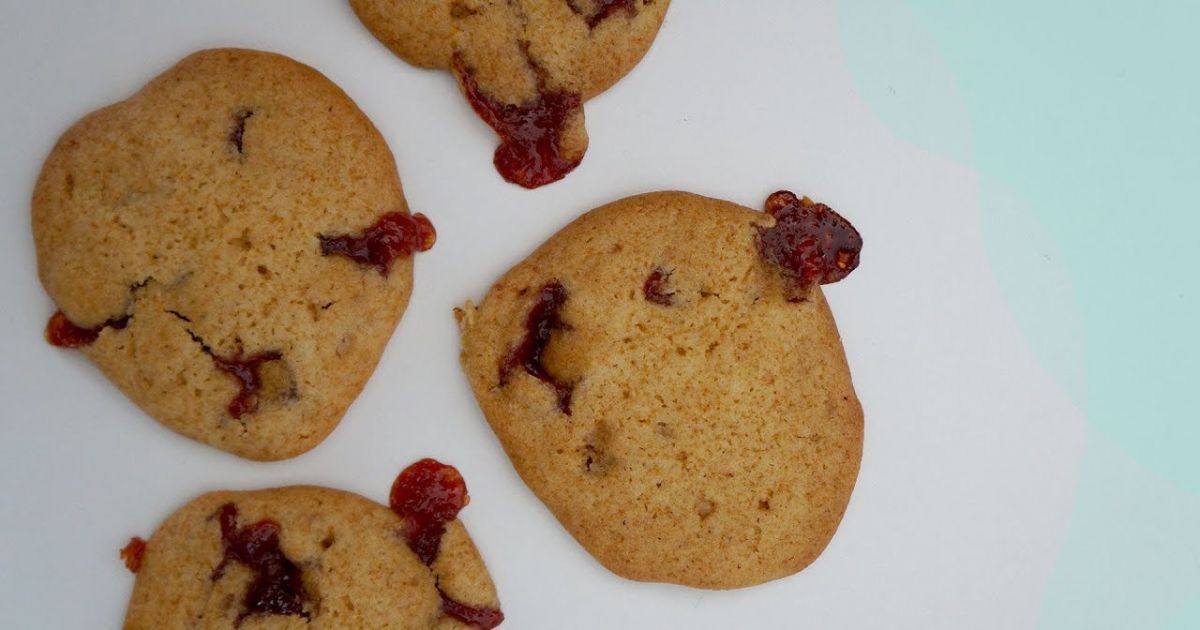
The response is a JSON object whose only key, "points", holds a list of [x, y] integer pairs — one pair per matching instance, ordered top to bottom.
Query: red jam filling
{"points": [[606, 9], [237, 136], [530, 153], [395, 235], [810, 244], [655, 288], [543, 320], [62, 333], [246, 372], [428, 495], [132, 554], [277, 587]]}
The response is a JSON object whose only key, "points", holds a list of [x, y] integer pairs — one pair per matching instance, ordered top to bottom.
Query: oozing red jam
{"points": [[606, 9], [530, 152], [394, 235], [810, 244], [655, 289], [541, 323], [62, 333], [246, 370], [428, 495], [132, 553], [277, 587]]}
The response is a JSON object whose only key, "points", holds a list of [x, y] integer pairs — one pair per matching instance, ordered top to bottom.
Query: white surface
{"points": [[971, 449]]}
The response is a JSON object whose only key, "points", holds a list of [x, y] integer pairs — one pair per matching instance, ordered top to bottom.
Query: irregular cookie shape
{"points": [[526, 66], [231, 246], [710, 434], [312, 557]]}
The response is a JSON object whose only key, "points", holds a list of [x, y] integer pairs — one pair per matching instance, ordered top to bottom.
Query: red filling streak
{"points": [[606, 9], [530, 152], [395, 235], [810, 244], [655, 288], [543, 320], [62, 333], [246, 372], [428, 495], [132, 554], [277, 587]]}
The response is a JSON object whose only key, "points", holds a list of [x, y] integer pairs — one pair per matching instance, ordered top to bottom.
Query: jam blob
{"points": [[605, 9], [530, 152], [394, 235], [810, 244], [655, 288], [541, 323], [64, 334], [247, 373], [428, 495], [132, 554], [277, 587]]}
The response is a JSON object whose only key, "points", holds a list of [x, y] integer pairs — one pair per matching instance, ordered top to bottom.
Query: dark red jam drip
{"points": [[605, 9], [530, 151], [395, 235], [810, 244], [655, 288], [543, 320], [64, 334], [248, 375], [428, 495], [132, 554], [277, 587]]}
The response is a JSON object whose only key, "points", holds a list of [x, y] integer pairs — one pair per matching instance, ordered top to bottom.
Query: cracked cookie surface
{"points": [[525, 66], [185, 233], [713, 435], [304, 557]]}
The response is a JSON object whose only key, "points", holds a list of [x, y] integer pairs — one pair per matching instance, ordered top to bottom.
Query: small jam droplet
{"points": [[606, 9], [530, 152], [395, 235], [810, 244], [655, 288], [542, 321], [64, 334], [247, 373], [132, 554], [277, 587], [478, 616]]}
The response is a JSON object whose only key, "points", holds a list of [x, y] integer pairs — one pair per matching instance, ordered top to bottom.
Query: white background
{"points": [[971, 450]]}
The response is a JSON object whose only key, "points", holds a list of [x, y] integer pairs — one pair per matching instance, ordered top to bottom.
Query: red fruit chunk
{"points": [[395, 235], [810, 244], [655, 287], [542, 321], [64, 334], [246, 372], [428, 495], [132, 554], [277, 587], [482, 618]]}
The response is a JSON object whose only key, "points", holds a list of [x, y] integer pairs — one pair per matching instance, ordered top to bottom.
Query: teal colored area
{"points": [[1189, 618]]}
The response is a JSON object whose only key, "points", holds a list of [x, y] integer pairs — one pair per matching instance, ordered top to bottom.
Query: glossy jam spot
{"points": [[604, 10], [530, 151], [395, 235], [810, 244], [655, 288], [541, 323], [64, 334], [247, 372], [428, 495], [132, 554], [277, 587], [480, 617]]}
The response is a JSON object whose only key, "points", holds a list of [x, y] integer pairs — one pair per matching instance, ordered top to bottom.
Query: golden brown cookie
{"points": [[526, 66], [231, 246], [666, 376], [305, 556]]}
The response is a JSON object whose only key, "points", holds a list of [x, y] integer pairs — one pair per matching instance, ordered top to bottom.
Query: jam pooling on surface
{"points": [[605, 9], [530, 152], [394, 235], [810, 244], [655, 288], [543, 320], [64, 334], [247, 373], [428, 495], [131, 554], [277, 587]]}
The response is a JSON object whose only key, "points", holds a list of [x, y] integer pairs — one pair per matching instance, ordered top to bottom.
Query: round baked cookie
{"points": [[526, 66], [231, 246], [666, 376], [309, 557]]}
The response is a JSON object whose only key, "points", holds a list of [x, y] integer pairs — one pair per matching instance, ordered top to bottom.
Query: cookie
{"points": [[525, 66], [231, 246], [666, 376], [305, 556]]}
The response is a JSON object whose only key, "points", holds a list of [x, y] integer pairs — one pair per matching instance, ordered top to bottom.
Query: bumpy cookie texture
{"points": [[525, 66], [231, 246], [713, 435], [305, 557]]}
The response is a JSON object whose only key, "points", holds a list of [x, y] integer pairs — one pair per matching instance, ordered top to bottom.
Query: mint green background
{"points": [[1082, 122]]}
